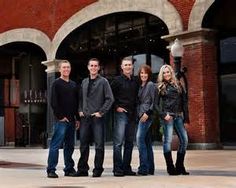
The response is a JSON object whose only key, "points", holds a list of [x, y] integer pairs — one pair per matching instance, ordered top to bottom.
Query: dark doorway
{"points": [[221, 17], [111, 38], [24, 98]]}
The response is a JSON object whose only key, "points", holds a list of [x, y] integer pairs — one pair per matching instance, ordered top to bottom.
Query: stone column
{"points": [[201, 63], [52, 73]]}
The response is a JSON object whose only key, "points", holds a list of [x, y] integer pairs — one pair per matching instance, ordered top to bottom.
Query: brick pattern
{"points": [[184, 8], [44, 15], [49, 15], [200, 60]]}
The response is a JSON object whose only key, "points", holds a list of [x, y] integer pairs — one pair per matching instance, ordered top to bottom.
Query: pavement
{"points": [[25, 168]]}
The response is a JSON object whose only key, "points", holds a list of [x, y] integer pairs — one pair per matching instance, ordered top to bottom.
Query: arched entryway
{"points": [[164, 10], [220, 17], [113, 37], [23, 90]]}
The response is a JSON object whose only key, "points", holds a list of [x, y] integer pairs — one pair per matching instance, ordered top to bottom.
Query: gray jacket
{"points": [[100, 98], [146, 99]]}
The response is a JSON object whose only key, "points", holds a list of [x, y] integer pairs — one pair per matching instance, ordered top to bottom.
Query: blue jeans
{"points": [[178, 125], [91, 128], [123, 131], [63, 132], [144, 143]]}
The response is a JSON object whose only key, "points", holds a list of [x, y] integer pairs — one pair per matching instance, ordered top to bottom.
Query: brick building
{"points": [[35, 35]]}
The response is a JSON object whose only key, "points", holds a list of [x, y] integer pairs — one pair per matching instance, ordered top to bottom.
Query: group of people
{"points": [[134, 102]]}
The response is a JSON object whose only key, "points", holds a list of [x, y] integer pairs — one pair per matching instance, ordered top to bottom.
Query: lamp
{"points": [[177, 51]]}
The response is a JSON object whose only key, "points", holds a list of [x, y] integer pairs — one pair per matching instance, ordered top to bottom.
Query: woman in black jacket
{"points": [[173, 110]]}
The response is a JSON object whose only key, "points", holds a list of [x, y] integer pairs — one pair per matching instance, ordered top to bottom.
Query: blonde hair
{"points": [[161, 83]]}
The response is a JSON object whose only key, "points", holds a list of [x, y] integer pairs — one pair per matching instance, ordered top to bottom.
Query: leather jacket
{"points": [[173, 103]]}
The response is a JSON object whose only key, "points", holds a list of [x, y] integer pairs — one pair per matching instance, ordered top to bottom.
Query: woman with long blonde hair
{"points": [[173, 110]]}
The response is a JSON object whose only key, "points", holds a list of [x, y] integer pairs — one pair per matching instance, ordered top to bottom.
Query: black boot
{"points": [[169, 163], [180, 169]]}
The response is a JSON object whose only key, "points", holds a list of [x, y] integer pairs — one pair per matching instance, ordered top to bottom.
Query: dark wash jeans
{"points": [[91, 128], [123, 131], [63, 132], [144, 143]]}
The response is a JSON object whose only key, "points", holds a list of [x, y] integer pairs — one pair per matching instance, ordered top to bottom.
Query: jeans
{"points": [[178, 125], [91, 128], [123, 131], [63, 132], [144, 143]]}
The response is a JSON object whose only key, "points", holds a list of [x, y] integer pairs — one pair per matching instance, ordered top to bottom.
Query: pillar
{"points": [[52, 70]]}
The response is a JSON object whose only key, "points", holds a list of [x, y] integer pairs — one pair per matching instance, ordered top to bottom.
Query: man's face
{"points": [[93, 67], [127, 67], [65, 69]]}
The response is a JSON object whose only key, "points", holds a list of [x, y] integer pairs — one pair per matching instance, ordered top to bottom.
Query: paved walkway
{"points": [[25, 168]]}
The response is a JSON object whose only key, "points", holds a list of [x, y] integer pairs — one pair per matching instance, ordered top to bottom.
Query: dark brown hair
{"points": [[94, 59], [147, 69]]}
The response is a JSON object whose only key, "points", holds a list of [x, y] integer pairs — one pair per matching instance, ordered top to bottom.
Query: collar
{"points": [[98, 76], [126, 78]]}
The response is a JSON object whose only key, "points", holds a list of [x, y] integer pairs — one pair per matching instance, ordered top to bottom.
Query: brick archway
{"points": [[162, 9], [197, 14], [27, 35]]}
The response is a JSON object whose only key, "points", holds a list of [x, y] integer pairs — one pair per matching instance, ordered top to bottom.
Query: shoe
{"points": [[152, 172], [71, 173], [130, 173], [142, 173], [81, 174], [97, 174], [118, 174], [52, 175]]}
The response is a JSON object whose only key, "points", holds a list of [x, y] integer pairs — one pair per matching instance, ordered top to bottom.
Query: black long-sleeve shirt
{"points": [[125, 92], [64, 99]]}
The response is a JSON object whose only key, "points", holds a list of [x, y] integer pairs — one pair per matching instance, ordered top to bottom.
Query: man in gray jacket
{"points": [[96, 99]]}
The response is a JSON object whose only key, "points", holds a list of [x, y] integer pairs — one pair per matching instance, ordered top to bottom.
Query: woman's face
{"points": [[166, 74], [143, 76]]}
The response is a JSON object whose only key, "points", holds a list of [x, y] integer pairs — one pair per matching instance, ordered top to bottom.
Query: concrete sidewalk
{"points": [[25, 168]]}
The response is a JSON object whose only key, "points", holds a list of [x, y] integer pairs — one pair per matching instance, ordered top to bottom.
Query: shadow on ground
{"points": [[8, 164]]}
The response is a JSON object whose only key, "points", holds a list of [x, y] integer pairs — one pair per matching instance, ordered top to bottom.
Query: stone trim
{"points": [[163, 9], [198, 12], [27, 35], [192, 37], [52, 66], [204, 146]]}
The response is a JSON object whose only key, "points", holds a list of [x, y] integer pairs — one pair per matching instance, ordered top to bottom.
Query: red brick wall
{"points": [[184, 8], [44, 15], [49, 15], [201, 63]]}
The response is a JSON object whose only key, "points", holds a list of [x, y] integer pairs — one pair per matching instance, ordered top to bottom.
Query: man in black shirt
{"points": [[125, 90], [96, 98], [64, 103]]}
